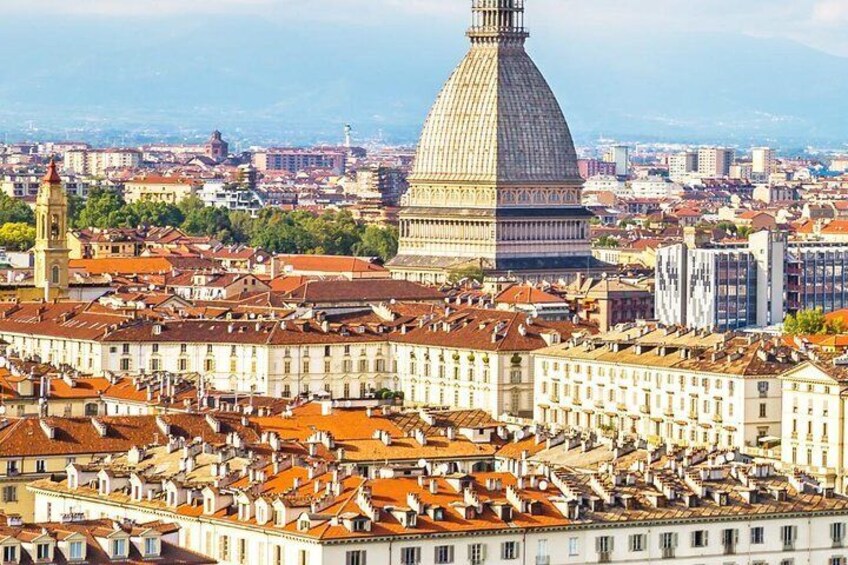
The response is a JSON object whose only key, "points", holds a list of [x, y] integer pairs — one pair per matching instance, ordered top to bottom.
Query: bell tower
{"points": [[51, 237]]}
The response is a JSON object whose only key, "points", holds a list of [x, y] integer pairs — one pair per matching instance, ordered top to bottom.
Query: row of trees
{"points": [[332, 233]]}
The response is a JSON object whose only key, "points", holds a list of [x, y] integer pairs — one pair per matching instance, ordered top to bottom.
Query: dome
{"points": [[496, 120]]}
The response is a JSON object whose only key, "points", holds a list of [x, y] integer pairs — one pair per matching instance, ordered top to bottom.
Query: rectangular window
{"points": [[762, 410], [10, 493], [837, 533], [788, 534], [757, 535], [700, 538], [637, 542], [668, 543], [151, 546], [573, 546], [604, 547], [224, 548], [76, 550], [242, 550], [509, 550], [42, 551], [10, 554], [443, 554], [476, 554], [410, 555], [355, 557]]}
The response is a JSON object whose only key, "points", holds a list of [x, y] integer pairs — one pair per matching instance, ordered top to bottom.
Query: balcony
{"points": [[645, 409], [789, 545], [730, 548], [668, 553], [604, 557], [543, 560]]}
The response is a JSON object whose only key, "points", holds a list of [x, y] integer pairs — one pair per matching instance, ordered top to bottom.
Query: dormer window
{"points": [[208, 508], [303, 525], [151, 547], [119, 548], [76, 551], [42, 552], [10, 554]]}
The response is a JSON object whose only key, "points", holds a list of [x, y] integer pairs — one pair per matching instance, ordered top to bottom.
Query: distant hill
{"points": [[257, 80]]}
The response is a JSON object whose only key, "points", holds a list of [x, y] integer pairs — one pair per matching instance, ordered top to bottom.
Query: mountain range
{"points": [[270, 82]]}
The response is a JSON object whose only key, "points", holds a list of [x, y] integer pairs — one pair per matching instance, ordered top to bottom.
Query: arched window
{"points": [[54, 274]]}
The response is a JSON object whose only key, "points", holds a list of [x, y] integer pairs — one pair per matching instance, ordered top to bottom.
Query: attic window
{"points": [[359, 525], [151, 547], [119, 548]]}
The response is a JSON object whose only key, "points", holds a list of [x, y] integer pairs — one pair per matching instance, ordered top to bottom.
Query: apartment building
{"points": [[297, 160], [96, 162], [715, 162], [171, 190], [726, 287], [473, 358], [664, 384], [814, 424], [33, 448], [694, 506], [72, 539]]}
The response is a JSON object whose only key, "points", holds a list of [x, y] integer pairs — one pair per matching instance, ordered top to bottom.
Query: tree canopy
{"points": [[13, 210], [275, 230], [17, 236], [811, 322]]}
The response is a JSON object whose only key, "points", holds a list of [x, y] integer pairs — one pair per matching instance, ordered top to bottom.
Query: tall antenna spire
{"points": [[497, 21]]}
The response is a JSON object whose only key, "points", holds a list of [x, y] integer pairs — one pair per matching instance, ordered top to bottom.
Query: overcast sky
{"points": [[822, 24]]}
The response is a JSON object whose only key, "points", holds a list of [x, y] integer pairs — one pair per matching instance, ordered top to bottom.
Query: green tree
{"points": [[75, 206], [105, 209], [13, 210], [157, 213], [212, 222], [243, 226], [727, 226], [744, 231], [282, 232], [17, 236], [378, 241], [606, 241], [805, 322]]}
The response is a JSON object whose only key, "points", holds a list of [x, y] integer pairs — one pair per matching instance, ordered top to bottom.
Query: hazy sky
{"points": [[822, 24], [746, 70]]}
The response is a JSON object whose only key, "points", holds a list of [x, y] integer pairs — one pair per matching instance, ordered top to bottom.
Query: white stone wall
{"points": [[720, 410], [813, 544]]}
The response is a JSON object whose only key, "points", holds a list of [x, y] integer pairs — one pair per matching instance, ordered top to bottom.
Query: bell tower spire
{"points": [[497, 21], [51, 238]]}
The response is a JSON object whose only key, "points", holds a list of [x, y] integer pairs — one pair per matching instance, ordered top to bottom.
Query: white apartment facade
{"points": [[96, 162], [663, 385], [814, 423], [269, 531]]}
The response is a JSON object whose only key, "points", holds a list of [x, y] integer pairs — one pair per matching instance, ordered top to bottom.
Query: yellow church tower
{"points": [[51, 246]]}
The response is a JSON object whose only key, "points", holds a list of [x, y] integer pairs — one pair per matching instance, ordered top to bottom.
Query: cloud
{"points": [[831, 12]]}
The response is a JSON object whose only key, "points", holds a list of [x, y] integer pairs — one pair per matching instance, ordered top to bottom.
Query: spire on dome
{"points": [[498, 21], [52, 176]]}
